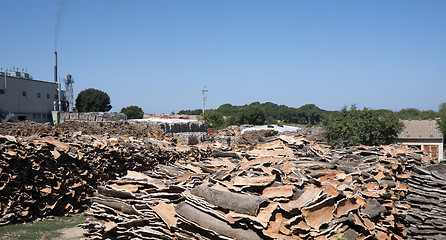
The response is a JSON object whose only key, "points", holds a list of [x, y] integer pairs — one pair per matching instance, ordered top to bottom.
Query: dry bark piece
{"points": [[274, 148], [259, 161], [254, 181], [127, 187], [280, 191], [113, 192], [310, 195], [240, 203], [346, 205], [373, 209], [167, 213], [319, 213], [263, 217], [209, 222], [276, 229]]}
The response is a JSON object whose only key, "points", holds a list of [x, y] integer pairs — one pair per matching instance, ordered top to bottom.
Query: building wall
{"points": [[27, 98], [432, 147]]}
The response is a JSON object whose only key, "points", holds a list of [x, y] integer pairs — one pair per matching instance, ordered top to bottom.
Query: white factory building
{"points": [[23, 98]]}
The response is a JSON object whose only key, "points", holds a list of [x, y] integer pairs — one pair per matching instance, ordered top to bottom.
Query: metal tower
{"points": [[69, 96], [204, 96]]}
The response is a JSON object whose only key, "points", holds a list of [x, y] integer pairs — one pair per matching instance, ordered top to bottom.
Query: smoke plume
{"points": [[61, 9]]}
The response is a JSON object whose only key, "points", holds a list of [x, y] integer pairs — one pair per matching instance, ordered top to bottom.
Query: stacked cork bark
{"points": [[42, 176], [285, 188], [427, 198]]}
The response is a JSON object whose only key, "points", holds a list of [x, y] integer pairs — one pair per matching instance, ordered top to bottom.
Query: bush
{"points": [[133, 112], [215, 119], [354, 127]]}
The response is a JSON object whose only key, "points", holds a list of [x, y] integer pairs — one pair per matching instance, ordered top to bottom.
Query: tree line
{"points": [[263, 113], [308, 114], [348, 127]]}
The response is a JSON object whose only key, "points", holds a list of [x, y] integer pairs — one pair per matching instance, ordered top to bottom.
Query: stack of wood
{"points": [[120, 128], [226, 138], [41, 176], [286, 188], [427, 191]]}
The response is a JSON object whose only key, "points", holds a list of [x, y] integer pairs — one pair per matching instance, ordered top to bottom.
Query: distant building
{"points": [[23, 98], [424, 134]]}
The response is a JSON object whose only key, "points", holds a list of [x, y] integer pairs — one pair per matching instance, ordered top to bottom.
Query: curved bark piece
{"points": [[254, 181], [280, 191], [113, 192], [310, 195], [240, 203], [118, 205], [346, 205], [167, 213], [320, 213], [209, 222]]}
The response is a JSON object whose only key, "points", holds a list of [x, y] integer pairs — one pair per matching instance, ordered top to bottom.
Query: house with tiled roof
{"points": [[424, 134]]}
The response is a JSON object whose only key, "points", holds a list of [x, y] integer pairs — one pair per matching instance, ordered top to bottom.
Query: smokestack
{"points": [[55, 66]]}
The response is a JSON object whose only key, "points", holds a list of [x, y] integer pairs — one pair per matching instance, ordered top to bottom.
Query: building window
{"points": [[2, 91], [24, 93], [38, 95], [47, 95], [56, 96], [34, 116], [39, 116]]}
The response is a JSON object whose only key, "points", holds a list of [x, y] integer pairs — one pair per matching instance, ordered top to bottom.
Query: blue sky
{"points": [[159, 54]]}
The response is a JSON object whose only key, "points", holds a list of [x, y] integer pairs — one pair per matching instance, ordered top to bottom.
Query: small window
{"points": [[2, 91], [24, 93], [38, 95], [47, 95], [56, 96], [34, 116], [39, 116]]}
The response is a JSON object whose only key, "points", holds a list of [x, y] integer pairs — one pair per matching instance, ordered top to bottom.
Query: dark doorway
{"points": [[22, 118]]}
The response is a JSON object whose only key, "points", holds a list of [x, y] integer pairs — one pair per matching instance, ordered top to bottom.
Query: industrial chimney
{"points": [[55, 66]]}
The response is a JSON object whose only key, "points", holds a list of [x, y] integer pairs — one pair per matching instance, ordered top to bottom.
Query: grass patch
{"points": [[49, 228]]}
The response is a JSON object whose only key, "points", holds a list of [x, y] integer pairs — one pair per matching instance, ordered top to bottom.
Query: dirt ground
{"points": [[73, 233]]}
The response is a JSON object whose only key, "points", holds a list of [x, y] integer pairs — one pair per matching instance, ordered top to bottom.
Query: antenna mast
{"points": [[204, 96]]}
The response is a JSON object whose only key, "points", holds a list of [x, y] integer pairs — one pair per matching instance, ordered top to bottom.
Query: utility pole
{"points": [[204, 97]]}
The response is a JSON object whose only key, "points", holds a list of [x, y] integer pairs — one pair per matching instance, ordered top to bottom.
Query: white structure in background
{"points": [[279, 128], [423, 134]]}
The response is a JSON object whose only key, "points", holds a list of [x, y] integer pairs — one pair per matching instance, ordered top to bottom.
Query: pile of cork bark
{"points": [[56, 175], [285, 187], [427, 194]]}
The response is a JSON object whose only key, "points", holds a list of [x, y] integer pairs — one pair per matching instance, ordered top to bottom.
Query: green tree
{"points": [[93, 100], [228, 110], [133, 112], [191, 112], [311, 113], [409, 114], [429, 114], [254, 115], [215, 119], [231, 120], [354, 127]]}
